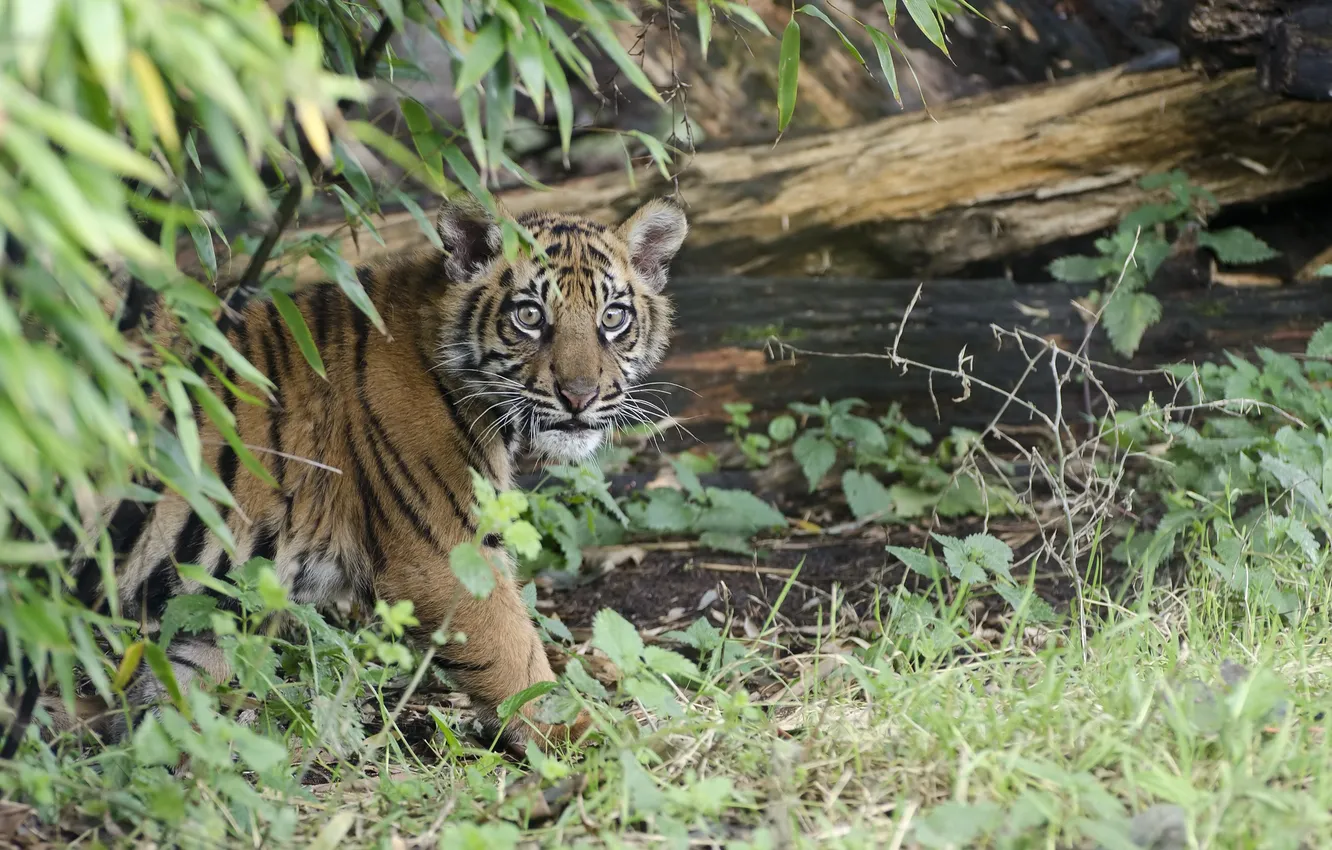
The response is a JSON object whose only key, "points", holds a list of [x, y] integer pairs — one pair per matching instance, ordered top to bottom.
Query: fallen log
{"points": [[1297, 60], [986, 178], [720, 350]]}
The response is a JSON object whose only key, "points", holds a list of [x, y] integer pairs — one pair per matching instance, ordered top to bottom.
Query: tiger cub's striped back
{"points": [[482, 358]]}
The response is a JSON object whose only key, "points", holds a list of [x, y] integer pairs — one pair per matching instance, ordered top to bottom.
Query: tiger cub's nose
{"points": [[578, 393]]}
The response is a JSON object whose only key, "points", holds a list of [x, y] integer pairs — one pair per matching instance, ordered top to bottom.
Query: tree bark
{"points": [[1297, 61], [987, 178], [719, 349]]}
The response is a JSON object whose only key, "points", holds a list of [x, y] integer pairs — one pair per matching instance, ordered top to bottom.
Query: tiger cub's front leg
{"points": [[501, 654]]}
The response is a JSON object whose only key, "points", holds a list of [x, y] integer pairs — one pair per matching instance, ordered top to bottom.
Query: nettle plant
{"points": [[1129, 258], [927, 473], [1251, 491]]}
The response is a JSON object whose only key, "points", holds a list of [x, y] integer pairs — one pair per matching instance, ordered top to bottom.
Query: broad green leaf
{"points": [[816, 12], [923, 13], [482, 54], [788, 74], [1237, 246], [291, 314], [1127, 317], [1320, 344], [782, 428], [816, 455], [866, 496], [917, 561], [473, 569], [619, 639], [152, 745], [260, 752]]}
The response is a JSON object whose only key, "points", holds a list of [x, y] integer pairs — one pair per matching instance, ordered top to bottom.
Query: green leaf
{"points": [[922, 12], [746, 14], [704, 25], [31, 27], [101, 28], [846, 42], [883, 47], [482, 54], [527, 58], [788, 74], [560, 96], [429, 145], [419, 216], [1235, 245], [336, 267], [1077, 269], [1324, 271], [291, 314], [1127, 317], [1320, 344], [782, 428], [816, 456], [688, 479], [866, 496], [668, 512], [739, 512], [991, 553], [917, 561], [963, 563], [473, 569], [1027, 603], [191, 612], [617, 637], [162, 669], [583, 681], [510, 706], [152, 745], [260, 752], [957, 824]]}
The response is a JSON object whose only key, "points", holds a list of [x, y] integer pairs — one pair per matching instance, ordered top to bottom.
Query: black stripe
{"points": [[319, 306], [277, 329], [275, 413], [451, 496], [417, 521], [127, 523], [492, 540], [190, 541], [265, 543], [185, 662], [456, 666]]}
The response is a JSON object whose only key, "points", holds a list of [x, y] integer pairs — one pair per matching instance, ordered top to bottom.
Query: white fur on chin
{"points": [[567, 446]]}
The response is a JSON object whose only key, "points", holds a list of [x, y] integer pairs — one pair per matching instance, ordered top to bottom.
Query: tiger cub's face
{"points": [[558, 349]]}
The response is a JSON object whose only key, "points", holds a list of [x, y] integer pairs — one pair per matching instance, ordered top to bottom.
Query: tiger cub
{"points": [[482, 357]]}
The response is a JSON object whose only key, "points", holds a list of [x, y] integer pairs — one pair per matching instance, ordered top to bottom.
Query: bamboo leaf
{"points": [[816, 12], [922, 12], [747, 15], [704, 25], [101, 31], [30, 35], [883, 47], [482, 54], [527, 58], [788, 74], [154, 94], [560, 96], [49, 176], [419, 216], [336, 267], [291, 314]]}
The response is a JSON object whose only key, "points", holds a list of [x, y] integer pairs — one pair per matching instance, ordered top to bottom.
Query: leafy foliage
{"points": [[1129, 258]]}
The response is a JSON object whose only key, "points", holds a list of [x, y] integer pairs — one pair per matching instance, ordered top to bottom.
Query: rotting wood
{"points": [[1297, 61], [987, 178], [723, 323]]}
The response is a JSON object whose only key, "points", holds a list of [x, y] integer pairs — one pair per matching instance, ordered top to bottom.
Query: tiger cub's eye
{"points": [[529, 316], [614, 318]]}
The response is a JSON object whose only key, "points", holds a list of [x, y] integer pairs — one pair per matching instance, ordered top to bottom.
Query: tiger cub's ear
{"points": [[470, 234], [654, 234]]}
